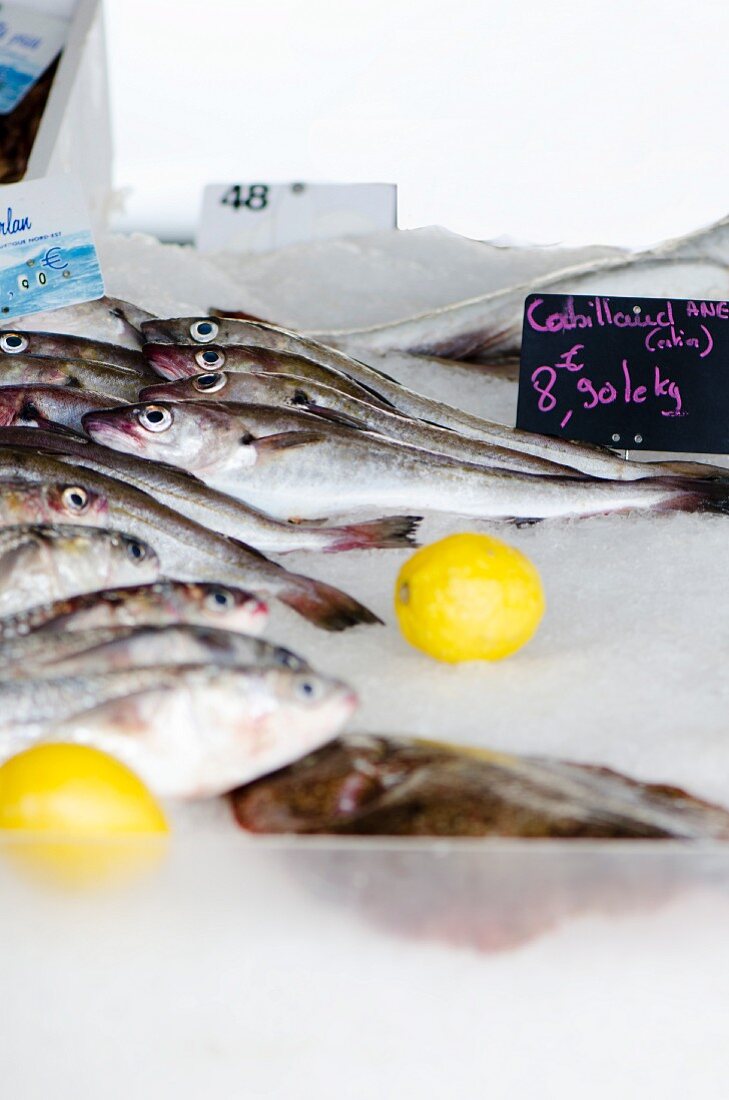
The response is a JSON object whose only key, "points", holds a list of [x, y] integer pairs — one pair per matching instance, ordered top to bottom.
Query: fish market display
{"points": [[256, 348], [272, 459], [142, 483], [186, 550], [42, 563], [163, 603], [187, 730], [401, 787]]}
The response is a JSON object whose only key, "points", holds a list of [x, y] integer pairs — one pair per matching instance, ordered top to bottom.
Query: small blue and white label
{"points": [[29, 41], [47, 253]]}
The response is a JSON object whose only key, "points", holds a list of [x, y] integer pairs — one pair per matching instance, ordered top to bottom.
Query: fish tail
{"points": [[710, 497], [391, 532], [323, 605]]}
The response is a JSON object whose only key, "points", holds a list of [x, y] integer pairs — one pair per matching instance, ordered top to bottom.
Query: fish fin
{"points": [[336, 417], [269, 444], [391, 532], [323, 605]]}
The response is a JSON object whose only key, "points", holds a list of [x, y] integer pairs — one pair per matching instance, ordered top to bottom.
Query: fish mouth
{"points": [[169, 360], [154, 393], [112, 430]]}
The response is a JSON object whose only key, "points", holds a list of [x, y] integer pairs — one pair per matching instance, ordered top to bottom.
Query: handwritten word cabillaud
{"points": [[663, 333]]}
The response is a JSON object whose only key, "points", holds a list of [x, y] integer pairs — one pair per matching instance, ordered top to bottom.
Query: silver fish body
{"points": [[56, 345], [185, 361], [121, 382], [288, 391], [38, 405], [295, 464], [192, 500], [38, 563], [164, 603], [110, 649], [188, 731]]}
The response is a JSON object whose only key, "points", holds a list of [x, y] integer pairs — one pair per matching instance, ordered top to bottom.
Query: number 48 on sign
{"points": [[258, 217]]}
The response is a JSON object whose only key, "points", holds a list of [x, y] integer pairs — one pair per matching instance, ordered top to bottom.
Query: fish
{"points": [[111, 320], [57, 345], [233, 353], [174, 362], [25, 371], [80, 374], [288, 391], [41, 405], [293, 464], [69, 502], [219, 512], [187, 550], [39, 563], [164, 603], [108, 649], [187, 730], [398, 786]]}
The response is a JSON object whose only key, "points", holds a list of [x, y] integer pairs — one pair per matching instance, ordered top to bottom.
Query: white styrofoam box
{"points": [[75, 132]]}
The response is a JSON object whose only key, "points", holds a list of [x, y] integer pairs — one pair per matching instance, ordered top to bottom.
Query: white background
{"points": [[562, 121]]}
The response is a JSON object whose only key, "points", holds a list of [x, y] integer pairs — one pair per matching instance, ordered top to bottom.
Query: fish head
{"points": [[181, 330], [173, 361], [188, 389], [191, 436], [73, 502], [127, 560], [230, 608], [269, 717]]}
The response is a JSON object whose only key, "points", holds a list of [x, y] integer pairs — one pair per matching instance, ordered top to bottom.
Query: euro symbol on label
{"points": [[54, 258]]}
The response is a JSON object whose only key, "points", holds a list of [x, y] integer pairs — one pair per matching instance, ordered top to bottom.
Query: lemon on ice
{"points": [[469, 597], [87, 817]]}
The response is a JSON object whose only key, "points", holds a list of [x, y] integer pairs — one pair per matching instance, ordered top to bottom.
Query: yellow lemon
{"points": [[469, 598], [86, 816]]}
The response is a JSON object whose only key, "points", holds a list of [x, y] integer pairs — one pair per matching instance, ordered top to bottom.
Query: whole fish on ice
{"points": [[186, 360], [295, 464], [164, 603]]}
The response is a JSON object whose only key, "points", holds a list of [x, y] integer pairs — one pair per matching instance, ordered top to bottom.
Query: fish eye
{"points": [[204, 331], [13, 342], [211, 358], [209, 383], [300, 398], [155, 418], [75, 498], [136, 551], [219, 599], [286, 659], [307, 690]]}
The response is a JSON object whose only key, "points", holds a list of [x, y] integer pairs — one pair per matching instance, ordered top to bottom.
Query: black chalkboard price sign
{"points": [[628, 373]]}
